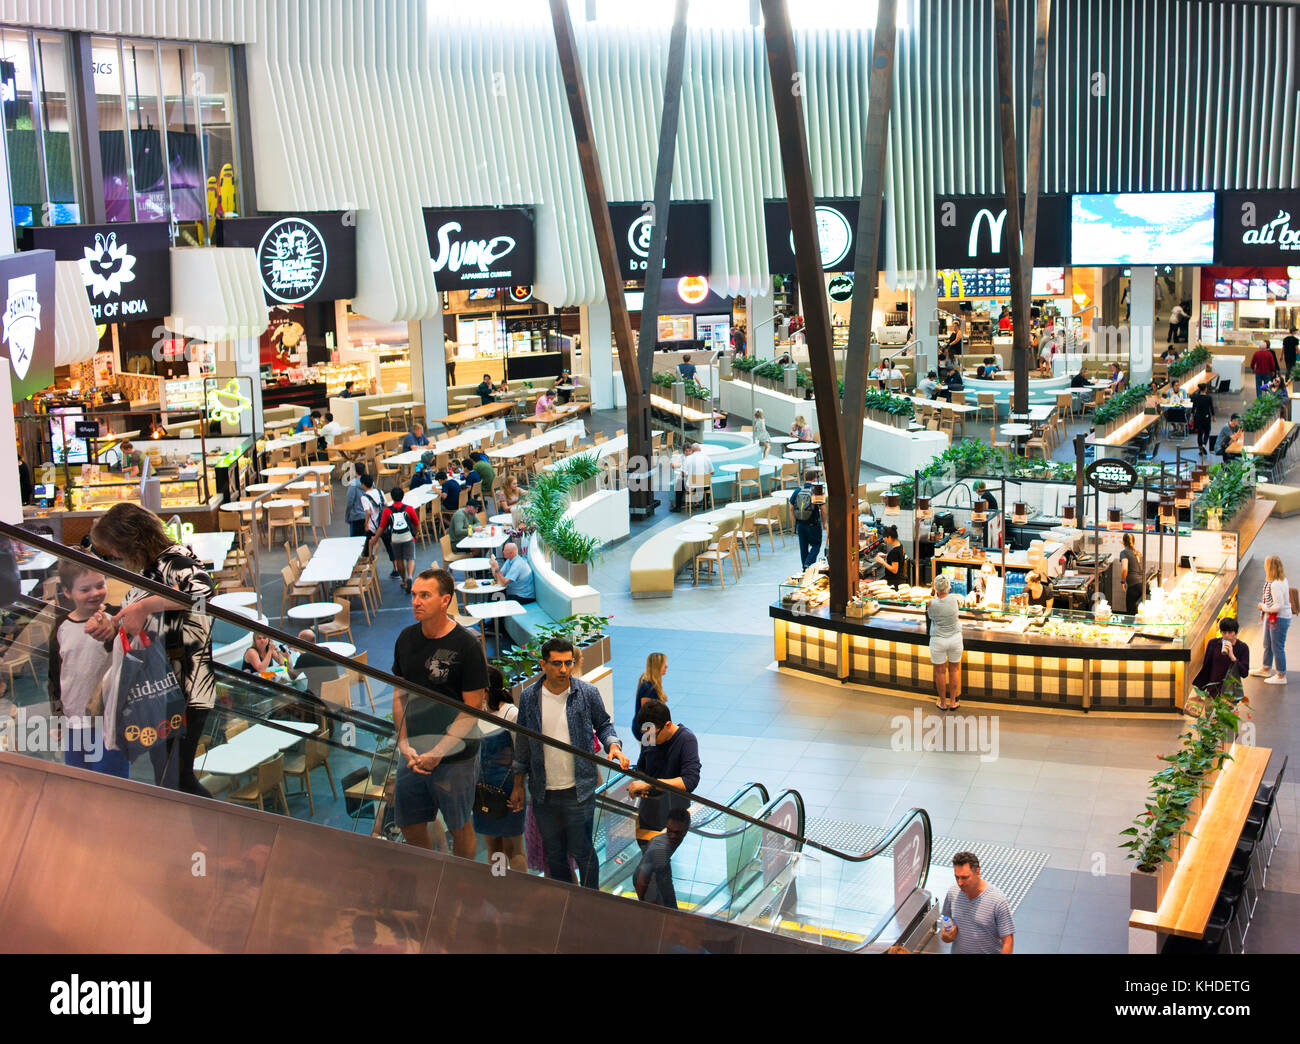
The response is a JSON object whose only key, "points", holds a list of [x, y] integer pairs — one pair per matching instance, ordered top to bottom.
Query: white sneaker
{"points": [[1260, 672], [1277, 679]]}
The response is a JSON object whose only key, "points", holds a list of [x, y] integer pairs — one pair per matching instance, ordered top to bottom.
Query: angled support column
{"points": [[597, 203], [1020, 248], [857, 356], [638, 413], [840, 472]]}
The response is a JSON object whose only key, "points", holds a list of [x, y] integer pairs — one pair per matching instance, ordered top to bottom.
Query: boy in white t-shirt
{"points": [[77, 666]]}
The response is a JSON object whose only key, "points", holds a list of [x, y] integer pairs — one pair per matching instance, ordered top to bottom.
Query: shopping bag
{"points": [[150, 705]]}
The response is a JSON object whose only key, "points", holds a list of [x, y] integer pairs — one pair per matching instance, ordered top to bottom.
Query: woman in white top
{"points": [[760, 433], [1275, 608], [945, 643]]}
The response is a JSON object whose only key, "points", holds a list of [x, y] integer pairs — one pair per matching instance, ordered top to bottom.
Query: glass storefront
{"points": [[167, 141]]}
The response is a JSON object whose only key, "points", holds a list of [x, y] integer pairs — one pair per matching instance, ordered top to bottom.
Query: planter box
{"points": [[573, 574], [595, 654], [517, 688]]}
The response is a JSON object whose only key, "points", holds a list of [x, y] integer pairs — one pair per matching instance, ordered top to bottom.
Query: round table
{"points": [[1017, 432], [784, 440], [814, 446], [800, 455], [894, 480], [247, 505], [501, 520], [483, 541], [469, 565], [479, 589], [234, 599], [315, 612], [345, 649]]}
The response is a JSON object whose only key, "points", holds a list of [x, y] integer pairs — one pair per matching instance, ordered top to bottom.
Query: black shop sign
{"points": [[837, 227], [1257, 229], [968, 232], [475, 247], [686, 252], [302, 257], [126, 266], [27, 320], [1111, 475]]}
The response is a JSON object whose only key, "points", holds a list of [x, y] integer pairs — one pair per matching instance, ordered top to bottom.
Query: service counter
{"points": [[1061, 661]]}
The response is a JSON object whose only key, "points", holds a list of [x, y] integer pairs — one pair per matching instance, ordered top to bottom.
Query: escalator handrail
{"points": [[205, 607], [316, 704], [697, 825]]}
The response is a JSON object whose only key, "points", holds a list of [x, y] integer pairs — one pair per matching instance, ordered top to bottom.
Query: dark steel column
{"points": [[244, 134], [1034, 150], [89, 159], [1011, 229], [857, 355], [638, 413], [638, 442], [841, 484]]}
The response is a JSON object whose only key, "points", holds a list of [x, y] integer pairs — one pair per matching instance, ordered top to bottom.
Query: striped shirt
{"points": [[982, 922]]}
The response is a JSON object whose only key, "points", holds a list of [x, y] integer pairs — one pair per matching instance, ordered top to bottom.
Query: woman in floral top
{"points": [[134, 537]]}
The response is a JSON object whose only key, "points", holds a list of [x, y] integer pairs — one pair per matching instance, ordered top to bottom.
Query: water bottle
{"points": [[945, 924]]}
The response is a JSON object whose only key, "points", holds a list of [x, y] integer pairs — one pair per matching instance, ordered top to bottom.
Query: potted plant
{"points": [[571, 552], [587, 633]]}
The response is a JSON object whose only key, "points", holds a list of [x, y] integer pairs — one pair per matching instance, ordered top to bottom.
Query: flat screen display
{"points": [[1143, 228], [1046, 282], [1278, 287], [1222, 289], [1259, 290], [482, 293]]}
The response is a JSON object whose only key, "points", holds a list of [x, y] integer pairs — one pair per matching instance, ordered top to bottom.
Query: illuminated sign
{"points": [[693, 289], [226, 404], [1111, 475]]}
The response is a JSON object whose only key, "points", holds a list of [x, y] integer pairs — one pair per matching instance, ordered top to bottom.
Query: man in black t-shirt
{"points": [[1289, 345], [437, 766]]}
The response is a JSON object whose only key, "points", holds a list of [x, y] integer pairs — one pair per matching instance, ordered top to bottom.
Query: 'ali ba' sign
{"points": [[1111, 475]]}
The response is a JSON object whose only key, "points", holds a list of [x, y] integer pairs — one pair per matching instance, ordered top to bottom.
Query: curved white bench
{"points": [[653, 570]]}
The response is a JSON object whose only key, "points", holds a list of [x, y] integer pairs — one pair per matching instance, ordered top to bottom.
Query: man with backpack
{"points": [[371, 504], [807, 520], [401, 524]]}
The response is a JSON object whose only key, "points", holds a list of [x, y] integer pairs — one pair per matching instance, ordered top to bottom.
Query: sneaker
{"points": [[394, 575], [1260, 672], [1277, 679]]}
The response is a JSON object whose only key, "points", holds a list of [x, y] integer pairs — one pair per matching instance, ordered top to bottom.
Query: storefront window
{"points": [[106, 66], [217, 117], [144, 122], [57, 127], [38, 129], [185, 161]]}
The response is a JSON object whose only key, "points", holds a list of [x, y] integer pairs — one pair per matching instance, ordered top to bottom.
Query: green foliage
{"points": [[1187, 362], [1295, 372], [665, 379], [887, 402], [1118, 405], [1260, 413], [1231, 487], [546, 503], [519, 663], [1154, 833]]}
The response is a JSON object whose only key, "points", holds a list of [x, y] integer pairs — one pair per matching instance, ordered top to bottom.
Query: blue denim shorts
{"points": [[448, 789]]}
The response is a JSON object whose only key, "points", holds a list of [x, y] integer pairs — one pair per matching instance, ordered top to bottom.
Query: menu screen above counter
{"points": [[474, 247], [302, 257], [126, 266]]}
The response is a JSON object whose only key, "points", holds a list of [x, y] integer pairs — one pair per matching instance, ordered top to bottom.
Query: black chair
{"points": [[1261, 813], [1217, 929]]}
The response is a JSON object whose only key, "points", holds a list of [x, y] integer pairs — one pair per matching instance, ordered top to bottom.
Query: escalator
{"points": [[269, 866]]}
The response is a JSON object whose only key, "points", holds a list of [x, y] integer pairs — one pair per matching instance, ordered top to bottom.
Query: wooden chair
{"points": [[958, 398], [987, 401], [1065, 404], [395, 419], [1037, 444], [1006, 447], [748, 477], [787, 477], [701, 484], [284, 516], [771, 521], [746, 534], [722, 551], [303, 552], [450, 554], [356, 588], [293, 591], [341, 624], [19, 656], [360, 658], [337, 691], [299, 766], [270, 780]]}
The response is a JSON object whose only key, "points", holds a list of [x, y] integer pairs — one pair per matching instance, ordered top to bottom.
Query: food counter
{"points": [[187, 489], [1018, 655]]}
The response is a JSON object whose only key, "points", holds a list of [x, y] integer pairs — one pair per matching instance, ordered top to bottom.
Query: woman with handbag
{"points": [[135, 538], [1275, 609], [501, 829]]}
